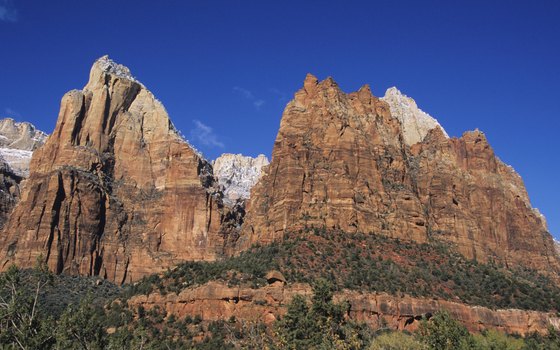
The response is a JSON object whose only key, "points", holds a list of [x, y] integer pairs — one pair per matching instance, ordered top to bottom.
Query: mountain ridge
{"points": [[340, 161]]}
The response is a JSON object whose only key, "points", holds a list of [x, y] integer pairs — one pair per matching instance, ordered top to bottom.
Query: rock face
{"points": [[415, 123], [17, 143], [341, 161], [238, 174], [9, 190], [115, 191], [217, 301]]}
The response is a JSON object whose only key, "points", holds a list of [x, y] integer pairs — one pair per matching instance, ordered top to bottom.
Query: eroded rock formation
{"points": [[341, 161], [115, 191], [217, 301]]}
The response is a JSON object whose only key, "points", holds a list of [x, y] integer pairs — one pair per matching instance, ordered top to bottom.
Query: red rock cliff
{"points": [[340, 161], [115, 191], [217, 301]]}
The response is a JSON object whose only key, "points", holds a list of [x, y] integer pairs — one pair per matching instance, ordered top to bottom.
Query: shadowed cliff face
{"points": [[340, 162], [9, 190], [115, 191]]}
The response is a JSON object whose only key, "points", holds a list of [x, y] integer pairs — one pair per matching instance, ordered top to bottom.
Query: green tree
{"points": [[21, 323], [321, 326], [82, 327], [296, 328], [442, 332], [536, 341]]}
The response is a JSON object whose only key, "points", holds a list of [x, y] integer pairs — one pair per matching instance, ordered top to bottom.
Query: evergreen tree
{"points": [[442, 332]]}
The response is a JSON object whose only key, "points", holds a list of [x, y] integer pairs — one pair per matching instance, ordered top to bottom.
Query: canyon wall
{"points": [[344, 161], [115, 191]]}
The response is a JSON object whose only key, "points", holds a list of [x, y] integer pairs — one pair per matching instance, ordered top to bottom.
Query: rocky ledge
{"points": [[217, 301]]}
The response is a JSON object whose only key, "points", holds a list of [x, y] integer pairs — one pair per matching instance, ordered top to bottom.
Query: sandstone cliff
{"points": [[17, 143], [341, 161], [238, 174], [115, 191], [217, 301]]}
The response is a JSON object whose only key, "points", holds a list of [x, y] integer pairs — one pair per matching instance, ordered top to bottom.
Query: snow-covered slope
{"points": [[416, 123], [17, 143], [238, 174]]}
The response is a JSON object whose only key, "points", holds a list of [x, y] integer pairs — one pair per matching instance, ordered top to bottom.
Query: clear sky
{"points": [[226, 69]]}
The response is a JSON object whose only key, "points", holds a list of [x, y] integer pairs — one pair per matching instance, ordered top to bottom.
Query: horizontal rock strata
{"points": [[216, 301]]}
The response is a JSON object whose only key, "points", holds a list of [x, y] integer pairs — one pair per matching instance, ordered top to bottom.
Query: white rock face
{"points": [[110, 66], [415, 123], [17, 143], [238, 174]]}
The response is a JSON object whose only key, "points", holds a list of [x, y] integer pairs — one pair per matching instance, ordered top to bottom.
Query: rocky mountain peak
{"points": [[107, 65], [310, 82], [415, 123], [20, 135], [18, 140], [356, 163], [237, 174], [116, 192], [123, 193]]}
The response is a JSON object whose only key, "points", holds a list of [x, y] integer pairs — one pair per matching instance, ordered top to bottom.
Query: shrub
{"points": [[442, 332], [396, 341]]}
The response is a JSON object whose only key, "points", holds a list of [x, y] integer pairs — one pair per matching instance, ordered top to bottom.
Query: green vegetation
{"points": [[369, 262], [39, 310], [27, 322], [321, 326], [444, 333], [397, 341]]}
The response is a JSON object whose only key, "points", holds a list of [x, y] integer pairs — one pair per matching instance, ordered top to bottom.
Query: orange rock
{"points": [[340, 162], [115, 191], [266, 304]]}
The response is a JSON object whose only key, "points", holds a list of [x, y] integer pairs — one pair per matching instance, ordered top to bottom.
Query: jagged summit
{"points": [[107, 65], [415, 123], [358, 163], [117, 185]]}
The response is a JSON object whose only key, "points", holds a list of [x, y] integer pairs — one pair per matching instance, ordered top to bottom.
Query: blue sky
{"points": [[226, 69]]}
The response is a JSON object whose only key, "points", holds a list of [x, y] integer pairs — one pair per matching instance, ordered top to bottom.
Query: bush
{"points": [[442, 332], [494, 340], [396, 341]]}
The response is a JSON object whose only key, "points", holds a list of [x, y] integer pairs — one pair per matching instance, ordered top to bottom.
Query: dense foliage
{"points": [[368, 262], [39, 310], [26, 322]]}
